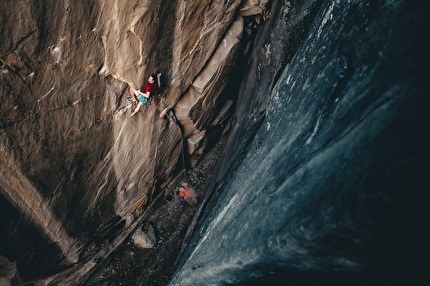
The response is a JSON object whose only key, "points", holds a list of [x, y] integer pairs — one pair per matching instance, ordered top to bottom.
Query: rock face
{"points": [[205, 90], [326, 154], [75, 170], [332, 189], [7, 272]]}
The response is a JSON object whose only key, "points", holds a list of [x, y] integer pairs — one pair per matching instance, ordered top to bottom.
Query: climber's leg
{"points": [[139, 105]]}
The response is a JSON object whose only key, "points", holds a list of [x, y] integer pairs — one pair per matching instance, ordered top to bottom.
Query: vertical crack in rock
{"points": [[137, 16], [123, 39], [196, 39], [191, 109]]}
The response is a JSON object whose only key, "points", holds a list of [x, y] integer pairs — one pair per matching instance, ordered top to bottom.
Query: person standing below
{"points": [[147, 93], [187, 194]]}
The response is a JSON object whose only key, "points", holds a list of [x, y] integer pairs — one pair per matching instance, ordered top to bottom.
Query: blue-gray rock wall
{"points": [[332, 187]]}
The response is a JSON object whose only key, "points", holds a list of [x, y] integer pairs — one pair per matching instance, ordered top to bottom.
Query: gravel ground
{"points": [[130, 265]]}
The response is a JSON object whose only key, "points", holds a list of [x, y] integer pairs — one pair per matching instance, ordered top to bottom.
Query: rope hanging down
{"points": [[167, 111], [175, 121], [183, 157]]}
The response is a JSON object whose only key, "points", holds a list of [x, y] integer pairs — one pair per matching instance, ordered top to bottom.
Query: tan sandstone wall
{"points": [[71, 162]]}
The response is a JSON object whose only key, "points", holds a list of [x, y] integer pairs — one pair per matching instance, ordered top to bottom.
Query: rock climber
{"points": [[146, 95]]}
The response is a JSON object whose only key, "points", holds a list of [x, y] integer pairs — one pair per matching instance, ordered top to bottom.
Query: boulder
{"points": [[144, 237], [8, 271]]}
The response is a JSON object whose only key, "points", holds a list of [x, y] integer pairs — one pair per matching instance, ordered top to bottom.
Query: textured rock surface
{"points": [[205, 90], [321, 158], [74, 169], [332, 189], [144, 238], [7, 272]]}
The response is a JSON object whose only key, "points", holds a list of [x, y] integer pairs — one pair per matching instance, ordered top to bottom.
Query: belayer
{"points": [[145, 95], [187, 193]]}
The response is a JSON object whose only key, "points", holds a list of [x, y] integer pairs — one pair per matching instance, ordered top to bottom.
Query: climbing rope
{"points": [[166, 112], [173, 119], [183, 156]]}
